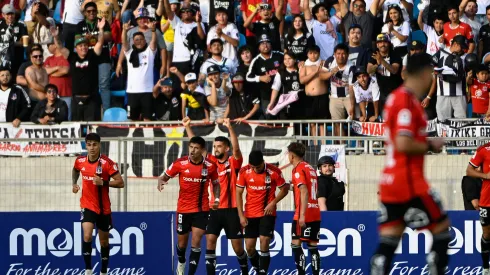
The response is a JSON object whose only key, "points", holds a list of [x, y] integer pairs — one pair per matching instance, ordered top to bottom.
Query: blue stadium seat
{"points": [[57, 12], [243, 41], [119, 93], [469, 110], [115, 115]]}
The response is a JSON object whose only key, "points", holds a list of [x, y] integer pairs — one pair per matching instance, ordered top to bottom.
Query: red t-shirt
{"points": [[249, 6], [462, 29], [64, 82], [479, 96], [482, 158], [227, 173], [304, 174], [403, 175], [194, 180], [261, 188], [90, 192]]}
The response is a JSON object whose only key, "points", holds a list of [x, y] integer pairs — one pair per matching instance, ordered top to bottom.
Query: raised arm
{"points": [[375, 7], [408, 7], [161, 8], [279, 8], [168, 10], [307, 11], [420, 20], [248, 22], [200, 30], [55, 33], [100, 38], [124, 39], [153, 42], [213, 98], [237, 153]]}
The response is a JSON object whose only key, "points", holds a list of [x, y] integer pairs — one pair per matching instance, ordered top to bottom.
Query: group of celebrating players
{"points": [[406, 197]]}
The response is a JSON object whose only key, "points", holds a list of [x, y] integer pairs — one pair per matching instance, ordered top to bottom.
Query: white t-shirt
{"points": [[387, 3], [29, 5], [482, 6], [72, 13], [475, 27], [403, 29], [181, 30], [324, 40], [433, 44], [228, 50], [226, 65], [140, 80], [371, 94], [4, 99], [219, 110]]}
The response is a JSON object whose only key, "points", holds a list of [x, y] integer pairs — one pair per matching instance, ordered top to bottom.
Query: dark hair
{"points": [[90, 4], [452, 7], [397, 8], [488, 8], [43, 9], [315, 9], [440, 17], [355, 26], [292, 30], [138, 33], [33, 47], [341, 47], [313, 48], [243, 49], [36, 50], [418, 63], [5, 68], [282, 69], [51, 86], [92, 137], [223, 139], [198, 140], [297, 148], [255, 158]]}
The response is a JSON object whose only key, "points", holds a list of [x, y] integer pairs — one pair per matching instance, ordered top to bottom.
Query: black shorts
{"points": [[140, 104], [318, 107], [85, 109], [419, 213], [226, 219], [484, 219], [185, 221], [103, 222], [263, 226], [309, 233]]}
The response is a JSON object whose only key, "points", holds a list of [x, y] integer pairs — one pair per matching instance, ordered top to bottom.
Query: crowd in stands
{"points": [[243, 60]]}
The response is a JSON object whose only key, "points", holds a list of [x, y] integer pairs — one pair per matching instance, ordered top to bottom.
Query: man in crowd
{"points": [[467, 13], [359, 15], [268, 24], [456, 27], [11, 32], [227, 32], [435, 33], [484, 37], [359, 55], [225, 65], [36, 76], [15, 104], [242, 105], [166, 106], [97, 171], [260, 179], [193, 204]]}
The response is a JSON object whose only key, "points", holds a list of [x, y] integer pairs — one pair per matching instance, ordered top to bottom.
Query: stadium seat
{"points": [[56, 14], [243, 41], [115, 115]]}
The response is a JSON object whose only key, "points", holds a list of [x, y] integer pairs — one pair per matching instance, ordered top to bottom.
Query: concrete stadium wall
{"points": [[44, 184]]}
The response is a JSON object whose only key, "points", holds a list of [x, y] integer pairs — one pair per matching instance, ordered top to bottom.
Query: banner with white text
{"points": [[68, 131]]}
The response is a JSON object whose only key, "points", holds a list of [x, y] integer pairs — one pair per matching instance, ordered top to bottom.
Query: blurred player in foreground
{"points": [[482, 158], [96, 170], [195, 174], [261, 180], [406, 198], [226, 216], [306, 221]]}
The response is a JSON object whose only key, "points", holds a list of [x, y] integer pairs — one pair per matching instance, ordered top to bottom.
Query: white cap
{"points": [[190, 77]]}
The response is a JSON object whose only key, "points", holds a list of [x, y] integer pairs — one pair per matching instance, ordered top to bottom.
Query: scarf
{"points": [[134, 57]]}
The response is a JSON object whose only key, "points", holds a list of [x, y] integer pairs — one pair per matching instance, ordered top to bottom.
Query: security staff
{"points": [[330, 190]]}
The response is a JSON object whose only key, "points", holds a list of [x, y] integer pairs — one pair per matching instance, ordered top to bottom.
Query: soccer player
{"points": [[482, 159], [96, 170], [195, 174], [261, 180], [406, 198], [226, 216], [306, 221]]}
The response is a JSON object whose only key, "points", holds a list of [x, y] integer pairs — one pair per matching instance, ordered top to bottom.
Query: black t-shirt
{"points": [[227, 4], [85, 28], [270, 29], [8, 36], [485, 37], [299, 45], [359, 56], [261, 66], [84, 74], [386, 81], [242, 103], [167, 109], [470, 188], [333, 190]]}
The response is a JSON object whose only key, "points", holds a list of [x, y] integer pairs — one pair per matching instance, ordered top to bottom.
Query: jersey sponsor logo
{"points": [[404, 117], [81, 159], [184, 162], [222, 173], [87, 178], [193, 179], [259, 188], [313, 205]]}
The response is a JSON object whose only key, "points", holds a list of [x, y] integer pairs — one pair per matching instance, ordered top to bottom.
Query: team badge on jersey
{"points": [[204, 172], [267, 179]]}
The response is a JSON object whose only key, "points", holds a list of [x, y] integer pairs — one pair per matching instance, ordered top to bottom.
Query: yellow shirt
{"points": [[105, 8], [168, 36], [191, 98]]}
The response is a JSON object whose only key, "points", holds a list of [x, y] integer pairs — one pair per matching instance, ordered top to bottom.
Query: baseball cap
{"points": [[174, 2], [265, 6], [194, 7], [8, 9], [220, 9], [142, 13], [264, 38], [382, 38], [80, 40], [216, 40], [461, 40], [417, 45], [213, 69], [359, 70], [190, 77], [238, 78], [167, 82]]}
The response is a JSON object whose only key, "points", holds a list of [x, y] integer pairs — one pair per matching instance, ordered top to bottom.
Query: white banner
{"points": [[68, 131], [337, 152]]}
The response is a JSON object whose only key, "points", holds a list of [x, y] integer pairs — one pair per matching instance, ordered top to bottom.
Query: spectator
{"points": [[16, 4], [248, 7], [107, 8], [406, 8], [129, 9], [467, 13], [358, 15], [71, 17], [28, 18], [191, 20], [268, 24], [323, 27], [456, 27], [88, 29], [397, 30], [225, 31], [168, 32], [41, 34], [484, 37], [435, 38], [298, 39], [416, 47], [11, 50], [245, 54], [358, 54], [140, 61], [84, 65], [225, 65], [387, 65], [58, 69], [262, 69], [339, 73], [36, 76], [21, 79], [451, 86], [479, 89], [316, 90], [217, 91], [365, 91], [288, 95], [194, 101], [15, 104], [243, 104], [166, 107], [50, 110], [471, 188], [330, 190]]}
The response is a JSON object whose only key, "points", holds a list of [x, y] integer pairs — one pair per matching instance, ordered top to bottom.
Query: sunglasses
{"points": [[357, 6], [393, 6], [185, 10], [91, 11], [37, 56], [51, 92]]}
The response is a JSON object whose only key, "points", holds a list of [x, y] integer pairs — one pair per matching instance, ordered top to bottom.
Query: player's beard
{"points": [[220, 156]]}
